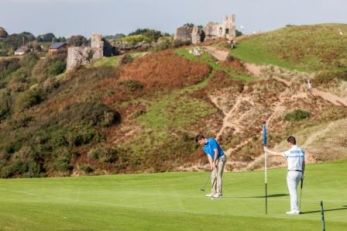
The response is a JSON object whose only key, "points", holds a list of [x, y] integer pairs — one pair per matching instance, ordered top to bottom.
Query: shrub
{"points": [[152, 35], [163, 44], [126, 59], [7, 66], [51, 66], [57, 67], [132, 85], [29, 99], [5, 104], [89, 113], [297, 115], [21, 121], [80, 137], [103, 154], [62, 160], [16, 168], [87, 169]]}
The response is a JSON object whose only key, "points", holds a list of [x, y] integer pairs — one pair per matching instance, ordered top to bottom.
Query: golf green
{"points": [[173, 201]]}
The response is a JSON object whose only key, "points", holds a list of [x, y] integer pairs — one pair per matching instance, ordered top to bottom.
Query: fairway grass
{"points": [[172, 201]]}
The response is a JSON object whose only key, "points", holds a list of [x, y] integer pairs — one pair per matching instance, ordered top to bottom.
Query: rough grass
{"points": [[306, 48], [164, 69], [232, 72], [172, 201]]}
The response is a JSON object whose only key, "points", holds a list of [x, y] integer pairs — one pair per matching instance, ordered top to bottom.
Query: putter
{"points": [[203, 188]]}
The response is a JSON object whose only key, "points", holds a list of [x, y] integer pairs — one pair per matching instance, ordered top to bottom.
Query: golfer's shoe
{"points": [[209, 195], [217, 195], [293, 213]]}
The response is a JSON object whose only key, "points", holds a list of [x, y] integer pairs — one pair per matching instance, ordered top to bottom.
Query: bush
{"points": [[152, 35], [163, 44], [126, 59], [7, 66], [51, 66], [57, 67], [132, 85], [29, 99], [5, 104], [92, 114], [297, 115], [21, 121], [80, 136], [103, 154], [62, 160], [13, 169], [87, 169]]}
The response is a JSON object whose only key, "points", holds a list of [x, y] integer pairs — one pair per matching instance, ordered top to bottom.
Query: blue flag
{"points": [[264, 135]]}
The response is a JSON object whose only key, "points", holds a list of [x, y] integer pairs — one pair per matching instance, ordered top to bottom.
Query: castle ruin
{"points": [[212, 30], [99, 48]]}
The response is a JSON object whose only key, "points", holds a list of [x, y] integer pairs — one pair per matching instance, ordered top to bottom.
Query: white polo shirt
{"points": [[295, 156]]}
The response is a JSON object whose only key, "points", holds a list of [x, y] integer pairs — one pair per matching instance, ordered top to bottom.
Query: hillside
{"points": [[139, 112], [173, 201]]}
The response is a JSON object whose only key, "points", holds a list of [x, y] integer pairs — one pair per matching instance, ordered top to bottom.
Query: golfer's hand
{"points": [[265, 149], [211, 167]]}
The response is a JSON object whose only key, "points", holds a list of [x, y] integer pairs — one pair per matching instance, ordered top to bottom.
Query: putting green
{"points": [[172, 201]]}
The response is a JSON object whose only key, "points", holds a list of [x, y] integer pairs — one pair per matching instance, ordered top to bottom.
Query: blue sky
{"points": [[68, 17]]}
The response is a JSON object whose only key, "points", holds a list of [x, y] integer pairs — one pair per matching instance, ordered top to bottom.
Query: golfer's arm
{"points": [[273, 152], [215, 155], [210, 161]]}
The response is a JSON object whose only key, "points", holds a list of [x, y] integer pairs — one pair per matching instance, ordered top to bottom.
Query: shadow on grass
{"points": [[269, 196], [344, 207]]}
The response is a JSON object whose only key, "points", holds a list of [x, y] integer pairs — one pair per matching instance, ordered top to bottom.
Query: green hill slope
{"points": [[306, 48], [172, 201]]}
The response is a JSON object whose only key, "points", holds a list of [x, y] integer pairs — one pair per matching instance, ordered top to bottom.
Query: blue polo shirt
{"points": [[210, 146]]}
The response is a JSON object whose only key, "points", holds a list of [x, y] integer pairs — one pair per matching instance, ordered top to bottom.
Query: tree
{"points": [[191, 25], [3, 33], [238, 33], [153, 35], [49, 37], [77, 41]]}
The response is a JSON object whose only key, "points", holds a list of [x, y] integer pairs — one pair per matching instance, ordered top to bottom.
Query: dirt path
{"points": [[219, 54], [256, 70], [334, 99]]}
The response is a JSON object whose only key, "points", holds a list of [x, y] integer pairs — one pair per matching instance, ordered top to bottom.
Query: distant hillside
{"points": [[306, 48], [139, 112]]}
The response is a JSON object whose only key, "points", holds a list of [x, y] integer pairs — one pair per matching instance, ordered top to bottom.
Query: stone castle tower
{"points": [[229, 27], [97, 45]]}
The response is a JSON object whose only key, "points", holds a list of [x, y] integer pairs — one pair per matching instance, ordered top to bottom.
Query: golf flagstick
{"points": [[265, 163], [301, 185]]}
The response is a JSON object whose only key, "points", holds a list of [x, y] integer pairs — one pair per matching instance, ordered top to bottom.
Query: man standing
{"points": [[217, 160], [296, 166]]}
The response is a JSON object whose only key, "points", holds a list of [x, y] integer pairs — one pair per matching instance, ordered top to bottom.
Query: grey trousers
{"points": [[216, 176], [293, 179]]}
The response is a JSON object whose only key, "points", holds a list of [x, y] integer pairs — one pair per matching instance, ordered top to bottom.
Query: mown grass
{"points": [[305, 48], [172, 201]]}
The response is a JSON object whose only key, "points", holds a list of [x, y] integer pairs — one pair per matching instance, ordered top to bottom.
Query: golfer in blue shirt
{"points": [[217, 160]]}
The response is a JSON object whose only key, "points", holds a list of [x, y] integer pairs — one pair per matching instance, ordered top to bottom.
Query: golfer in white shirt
{"points": [[296, 166]]}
